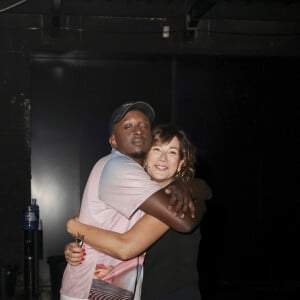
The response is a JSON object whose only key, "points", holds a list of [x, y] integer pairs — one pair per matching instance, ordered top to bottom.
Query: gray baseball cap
{"points": [[122, 110]]}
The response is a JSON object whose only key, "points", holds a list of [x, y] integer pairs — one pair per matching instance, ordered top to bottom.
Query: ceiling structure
{"points": [[223, 27]]}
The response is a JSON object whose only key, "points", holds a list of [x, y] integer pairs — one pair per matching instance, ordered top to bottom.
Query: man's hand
{"points": [[183, 196], [181, 199], [183, 211], [74, 254]]}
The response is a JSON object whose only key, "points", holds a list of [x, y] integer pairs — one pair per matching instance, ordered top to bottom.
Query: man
{"points": [[115, 202]]}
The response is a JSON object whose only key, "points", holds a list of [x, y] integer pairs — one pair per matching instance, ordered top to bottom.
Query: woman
{"points": [[170, 159]]}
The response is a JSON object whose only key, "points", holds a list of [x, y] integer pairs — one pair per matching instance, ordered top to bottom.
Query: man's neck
{"points": [[140, 161]]}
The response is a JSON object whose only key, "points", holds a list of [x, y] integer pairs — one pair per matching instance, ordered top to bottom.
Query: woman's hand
{"points": [[74, 254]]}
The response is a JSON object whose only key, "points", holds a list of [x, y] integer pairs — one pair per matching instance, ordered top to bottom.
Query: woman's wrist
{"points": [[71, 223]]}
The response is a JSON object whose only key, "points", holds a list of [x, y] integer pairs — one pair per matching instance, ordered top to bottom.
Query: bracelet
{"points": [[79, 239]]}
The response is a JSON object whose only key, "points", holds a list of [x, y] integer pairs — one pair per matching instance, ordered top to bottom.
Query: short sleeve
{"points": [[124, 185]]}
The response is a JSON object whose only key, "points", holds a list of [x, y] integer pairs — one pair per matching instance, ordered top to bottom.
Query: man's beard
{"points": [[140, 155]]}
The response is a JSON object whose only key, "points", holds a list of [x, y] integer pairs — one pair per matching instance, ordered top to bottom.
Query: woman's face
{"points": [[163, 160]]}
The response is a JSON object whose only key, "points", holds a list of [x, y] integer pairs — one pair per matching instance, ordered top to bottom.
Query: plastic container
{"points": [[31, 216]]}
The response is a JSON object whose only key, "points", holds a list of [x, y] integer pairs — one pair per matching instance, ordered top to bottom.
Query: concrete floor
{"points": [[287, 290], [44, 295]]}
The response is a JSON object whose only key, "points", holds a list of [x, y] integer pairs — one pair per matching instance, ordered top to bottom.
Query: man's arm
{"points": [[199, 191], [194, 193], [187, 203], [181, 215]]}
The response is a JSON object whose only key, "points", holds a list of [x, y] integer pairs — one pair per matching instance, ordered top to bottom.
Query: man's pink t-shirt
{"points": [[116, 187]]}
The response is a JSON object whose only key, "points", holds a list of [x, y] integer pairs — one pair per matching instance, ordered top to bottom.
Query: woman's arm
{"points": [[123, 246]]}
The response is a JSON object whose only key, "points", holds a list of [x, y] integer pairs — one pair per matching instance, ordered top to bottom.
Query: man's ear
{"points": [[112, 141]]}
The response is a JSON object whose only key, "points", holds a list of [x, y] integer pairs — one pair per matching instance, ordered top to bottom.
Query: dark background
{"points": [[227, 74]]}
